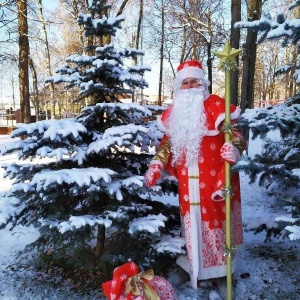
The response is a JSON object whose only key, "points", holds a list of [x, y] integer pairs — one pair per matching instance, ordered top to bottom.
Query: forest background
{"points": [[170, 30]]}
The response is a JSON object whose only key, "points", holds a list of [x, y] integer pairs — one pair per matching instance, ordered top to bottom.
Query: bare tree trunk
{"points": [[122, 7], [139, 27], [184, 40], [137, 41], [235, 42], [183, 49], [161, 54], [47, 55], [249, 57], [23, 61], [209, 61], [209, 67], [293, 70], [35, 89], [13, 91], [100, 241]]}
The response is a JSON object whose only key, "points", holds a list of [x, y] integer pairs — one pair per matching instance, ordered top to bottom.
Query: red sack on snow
{"points": [[128, 284]]}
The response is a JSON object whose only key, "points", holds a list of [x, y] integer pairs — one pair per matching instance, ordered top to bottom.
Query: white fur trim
{"points": [[190, 72], [234, 115], [160, 124], [212, 132], [156, 162], [217, 196]]}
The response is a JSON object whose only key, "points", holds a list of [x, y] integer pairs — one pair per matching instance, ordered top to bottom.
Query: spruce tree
{"points": [[277, 168], [86, 193]]}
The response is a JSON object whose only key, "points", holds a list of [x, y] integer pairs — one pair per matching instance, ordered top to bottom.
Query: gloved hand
{"points": [[230, 153], [153, 173]]}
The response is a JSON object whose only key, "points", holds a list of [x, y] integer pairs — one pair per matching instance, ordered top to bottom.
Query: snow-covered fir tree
{"points": [[279, 163], [80, 180]]}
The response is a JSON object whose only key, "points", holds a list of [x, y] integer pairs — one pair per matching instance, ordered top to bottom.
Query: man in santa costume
{"points": [[193, 149]]}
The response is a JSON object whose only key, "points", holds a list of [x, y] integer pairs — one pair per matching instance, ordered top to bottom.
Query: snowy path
{"points": [[18, 283], [24, 284]]}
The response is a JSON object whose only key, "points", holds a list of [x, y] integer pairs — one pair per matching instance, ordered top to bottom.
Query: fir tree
{"points": [[101, 74], [279, 163], [86, 194]]}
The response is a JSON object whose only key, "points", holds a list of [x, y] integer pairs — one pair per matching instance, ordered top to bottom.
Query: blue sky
{"points": [[50, 4]]}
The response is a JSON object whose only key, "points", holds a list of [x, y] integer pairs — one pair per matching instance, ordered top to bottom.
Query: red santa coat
{"points": [[202, 206]]}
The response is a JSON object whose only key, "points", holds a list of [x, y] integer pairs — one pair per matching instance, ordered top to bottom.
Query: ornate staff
{"points": [[228, 63]]}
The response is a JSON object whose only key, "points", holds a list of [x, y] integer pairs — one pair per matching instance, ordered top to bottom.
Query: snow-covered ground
{"points": [[265, 270]]}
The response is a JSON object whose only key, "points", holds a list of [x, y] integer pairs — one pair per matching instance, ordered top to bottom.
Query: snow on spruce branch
{"points": [[108, 25], [284, 28], [136, 109], [282, 117], [52, 129], [120, 135], [81, 177], [134, 180], [9, 208], [122, 211], [76, 222], [150, 223], [294, 229], [295, 232], [171, 244]]}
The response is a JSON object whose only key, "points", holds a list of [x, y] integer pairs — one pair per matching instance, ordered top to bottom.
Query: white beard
{"points": [[187, 125]]}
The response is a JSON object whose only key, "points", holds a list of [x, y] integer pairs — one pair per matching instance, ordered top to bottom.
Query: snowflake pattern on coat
{"points": [[208, 183]]}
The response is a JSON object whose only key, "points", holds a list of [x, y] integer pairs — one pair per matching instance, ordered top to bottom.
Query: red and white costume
{"points": [[200, 181], [202, 206]]}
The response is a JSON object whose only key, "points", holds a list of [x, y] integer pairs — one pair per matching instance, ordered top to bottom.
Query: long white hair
{"points": [[186, 125]]}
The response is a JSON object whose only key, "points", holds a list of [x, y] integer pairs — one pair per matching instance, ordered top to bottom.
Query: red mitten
{"points": [[230, 153], [153, 173]]}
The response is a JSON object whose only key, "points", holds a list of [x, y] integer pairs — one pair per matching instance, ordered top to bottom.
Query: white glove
{"points": [[230, 153], [153, 173]]}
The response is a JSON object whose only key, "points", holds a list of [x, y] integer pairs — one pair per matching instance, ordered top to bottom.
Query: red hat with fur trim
{"points": [[190, 69]]}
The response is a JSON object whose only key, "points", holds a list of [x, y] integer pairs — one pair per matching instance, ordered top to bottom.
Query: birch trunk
{"points": [[47, 56]]}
